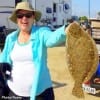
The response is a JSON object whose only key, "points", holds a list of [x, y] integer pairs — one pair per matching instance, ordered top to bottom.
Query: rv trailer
{"points": [[55, 13]]}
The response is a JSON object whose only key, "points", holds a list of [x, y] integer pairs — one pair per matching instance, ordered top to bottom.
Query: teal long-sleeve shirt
{"points": [[42, 38]]}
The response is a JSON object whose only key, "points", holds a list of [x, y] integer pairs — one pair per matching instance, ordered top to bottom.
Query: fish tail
{"points": [[78, 92]]}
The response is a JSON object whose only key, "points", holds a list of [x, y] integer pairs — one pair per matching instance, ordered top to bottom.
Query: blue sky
{"points": [[81, 7]]}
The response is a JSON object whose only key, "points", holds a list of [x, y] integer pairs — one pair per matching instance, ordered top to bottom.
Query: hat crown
{"points": [[24, 6]]}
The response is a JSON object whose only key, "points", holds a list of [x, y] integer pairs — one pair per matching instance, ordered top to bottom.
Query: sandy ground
{"points": [[62, 80]]}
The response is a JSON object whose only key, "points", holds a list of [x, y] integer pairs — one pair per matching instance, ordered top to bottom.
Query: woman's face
{"points": [[25, 20]]}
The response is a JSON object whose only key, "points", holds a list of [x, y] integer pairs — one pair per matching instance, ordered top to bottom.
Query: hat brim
{"points": [[13, 17]]}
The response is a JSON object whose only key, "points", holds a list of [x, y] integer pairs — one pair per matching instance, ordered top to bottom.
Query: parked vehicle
{"points": [[93, 86]]}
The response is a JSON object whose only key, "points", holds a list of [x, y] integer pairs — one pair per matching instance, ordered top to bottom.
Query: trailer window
{"points": [[16, 1], [54, 7]]}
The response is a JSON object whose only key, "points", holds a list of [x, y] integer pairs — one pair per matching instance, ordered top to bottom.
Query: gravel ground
{"points": [[62, 80]]}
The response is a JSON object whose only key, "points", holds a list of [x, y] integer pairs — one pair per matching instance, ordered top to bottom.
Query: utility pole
{"points": [[89, 8]]}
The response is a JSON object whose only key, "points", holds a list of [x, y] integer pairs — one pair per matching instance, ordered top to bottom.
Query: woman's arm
{"points": [[54, 38]]}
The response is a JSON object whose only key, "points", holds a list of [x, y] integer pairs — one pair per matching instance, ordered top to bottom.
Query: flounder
{"points": [[81, 56]]}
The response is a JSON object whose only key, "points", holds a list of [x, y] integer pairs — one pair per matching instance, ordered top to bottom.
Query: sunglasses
{"points": [[27, 15]]}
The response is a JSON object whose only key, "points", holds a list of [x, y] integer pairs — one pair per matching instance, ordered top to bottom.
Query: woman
{"points": [[26, 50]]}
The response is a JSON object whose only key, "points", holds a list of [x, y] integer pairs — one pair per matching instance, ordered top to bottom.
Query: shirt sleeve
{"points": [[54, 38]]}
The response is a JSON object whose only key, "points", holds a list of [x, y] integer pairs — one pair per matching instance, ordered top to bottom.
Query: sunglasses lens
{"points": [[19, 15], [27, 15]]}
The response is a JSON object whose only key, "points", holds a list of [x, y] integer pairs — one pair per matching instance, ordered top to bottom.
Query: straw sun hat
{"points": [[24, 6]]}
